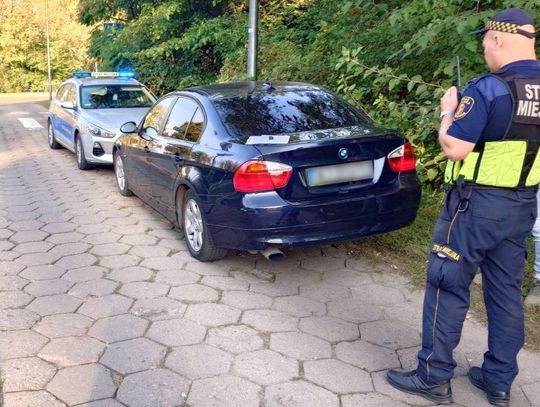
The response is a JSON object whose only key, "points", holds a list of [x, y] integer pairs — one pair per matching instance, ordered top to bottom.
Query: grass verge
{"points": [[24, 95], [40, 98], [44, 103], [406, 251]]}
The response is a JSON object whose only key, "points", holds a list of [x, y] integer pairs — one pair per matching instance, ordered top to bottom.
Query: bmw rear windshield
{"points": [[115, 96], [285, 111]]}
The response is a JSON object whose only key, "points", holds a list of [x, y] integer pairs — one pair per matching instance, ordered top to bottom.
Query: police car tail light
{"points": [[402, 158], [259, 176]]}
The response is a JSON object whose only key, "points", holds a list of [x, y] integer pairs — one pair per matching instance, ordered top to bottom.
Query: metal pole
{"points": [[253, 33], [49, 83]]}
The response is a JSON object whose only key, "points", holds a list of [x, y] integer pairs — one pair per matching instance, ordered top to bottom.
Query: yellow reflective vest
{"points": [[514, 160]]}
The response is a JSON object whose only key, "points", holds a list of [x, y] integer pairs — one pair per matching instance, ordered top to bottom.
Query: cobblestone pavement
{"points": [[101, 305]]}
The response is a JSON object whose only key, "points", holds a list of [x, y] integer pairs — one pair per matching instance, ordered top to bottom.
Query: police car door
{"points": [[55, 108], [67, 116]]}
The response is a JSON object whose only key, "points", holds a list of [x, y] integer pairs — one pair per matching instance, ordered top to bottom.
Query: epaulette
{"points": [[478, 78]]}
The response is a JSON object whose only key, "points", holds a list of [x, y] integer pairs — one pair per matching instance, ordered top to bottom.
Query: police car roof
{"points": [[106, 81]]}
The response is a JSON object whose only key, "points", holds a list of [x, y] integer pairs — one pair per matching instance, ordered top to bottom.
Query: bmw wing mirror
{"points": [[129, 127], [149, 133]]}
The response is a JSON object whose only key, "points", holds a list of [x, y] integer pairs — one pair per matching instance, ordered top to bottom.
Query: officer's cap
{"points": [[508, 21]]}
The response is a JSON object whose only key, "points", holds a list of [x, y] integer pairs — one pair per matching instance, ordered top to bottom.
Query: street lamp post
{"points": [[253, 32], [49, 83]]}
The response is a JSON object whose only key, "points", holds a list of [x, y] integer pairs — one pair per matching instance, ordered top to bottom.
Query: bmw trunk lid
{"points": [[333, 163]]}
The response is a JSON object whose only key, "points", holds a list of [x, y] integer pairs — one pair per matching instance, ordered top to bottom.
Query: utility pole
{"points": [[253, 34], [49, 83]]}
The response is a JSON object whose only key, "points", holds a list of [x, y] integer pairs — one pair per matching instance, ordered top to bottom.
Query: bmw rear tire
{"points": [[51, 138], [79, 153], [119, 172], [198, 239]]}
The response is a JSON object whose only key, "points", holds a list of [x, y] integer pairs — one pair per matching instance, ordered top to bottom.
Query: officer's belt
{"points": [[470, 184]]}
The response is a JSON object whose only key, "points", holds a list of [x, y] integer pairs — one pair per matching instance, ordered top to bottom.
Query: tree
{"points": [[393, 58], [23, 65]]}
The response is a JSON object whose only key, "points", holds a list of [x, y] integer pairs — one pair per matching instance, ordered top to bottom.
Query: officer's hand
{"points": [[449, 101]]}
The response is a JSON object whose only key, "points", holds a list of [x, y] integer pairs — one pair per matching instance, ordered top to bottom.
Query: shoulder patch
{"points": [[465, 106]]}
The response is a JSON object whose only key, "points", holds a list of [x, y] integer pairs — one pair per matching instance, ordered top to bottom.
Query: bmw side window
{"points": [[185, 121], [152, 122], [196, 126]]}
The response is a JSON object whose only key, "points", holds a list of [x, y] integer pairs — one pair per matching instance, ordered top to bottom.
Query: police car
{"points": [[86, 114]]}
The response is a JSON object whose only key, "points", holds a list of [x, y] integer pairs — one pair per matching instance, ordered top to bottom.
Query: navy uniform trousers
{"points": [[489, 232]]}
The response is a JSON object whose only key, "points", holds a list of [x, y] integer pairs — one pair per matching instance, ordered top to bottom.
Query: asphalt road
{"points": [[101, 305]]}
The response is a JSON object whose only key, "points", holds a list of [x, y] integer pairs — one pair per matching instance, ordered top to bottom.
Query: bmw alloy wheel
{"points": [[119, 170], [122, 181], [193, 225]]}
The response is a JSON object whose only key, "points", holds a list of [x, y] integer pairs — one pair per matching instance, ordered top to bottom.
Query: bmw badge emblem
{"points": [[343, 153]]}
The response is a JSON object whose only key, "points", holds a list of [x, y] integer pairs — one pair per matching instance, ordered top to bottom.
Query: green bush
{"points": [[394, 59]]}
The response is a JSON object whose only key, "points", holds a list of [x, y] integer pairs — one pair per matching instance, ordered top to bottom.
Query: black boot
{"points": [[410, 382], [496, 398]]}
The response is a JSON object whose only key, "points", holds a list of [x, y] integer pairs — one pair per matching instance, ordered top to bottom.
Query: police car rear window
{"points": [[114, 96]]}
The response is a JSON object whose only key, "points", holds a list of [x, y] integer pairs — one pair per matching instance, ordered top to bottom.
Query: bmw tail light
{"points": [[402, 158], [259, 176]]}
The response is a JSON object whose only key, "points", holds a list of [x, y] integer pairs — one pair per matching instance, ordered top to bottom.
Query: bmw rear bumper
{"points": [[294, 226]]}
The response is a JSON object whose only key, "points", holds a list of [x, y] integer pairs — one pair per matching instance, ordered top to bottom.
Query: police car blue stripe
{"points": [[62, 127]]}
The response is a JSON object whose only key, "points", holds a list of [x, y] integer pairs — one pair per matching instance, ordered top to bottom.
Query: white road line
{"points": [[19, 112], [29, 123]]}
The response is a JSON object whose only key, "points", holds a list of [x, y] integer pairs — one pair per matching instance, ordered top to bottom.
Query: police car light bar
{"points": [[82, 74], [104, 74], [121, 74], [126, 74]]}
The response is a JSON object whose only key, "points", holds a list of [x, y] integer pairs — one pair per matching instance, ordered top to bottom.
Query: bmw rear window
{"points": [[115, 96], [285, 111]]}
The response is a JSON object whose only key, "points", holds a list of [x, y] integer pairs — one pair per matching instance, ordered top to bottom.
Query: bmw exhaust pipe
{"points": [[272, 253]]}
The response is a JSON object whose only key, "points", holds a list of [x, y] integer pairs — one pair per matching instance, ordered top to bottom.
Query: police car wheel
{"points": [[51, 137], [81, 158], [121, 179], [198, 239]]}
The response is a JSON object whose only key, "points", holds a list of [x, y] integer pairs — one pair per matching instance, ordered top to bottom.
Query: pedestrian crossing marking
{"points": [[29, 123]]}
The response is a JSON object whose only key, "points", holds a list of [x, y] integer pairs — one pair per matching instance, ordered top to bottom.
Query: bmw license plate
{"points": [[339, 173]]}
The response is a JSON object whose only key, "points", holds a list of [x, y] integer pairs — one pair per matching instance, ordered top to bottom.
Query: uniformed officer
{"points": [[492, 140]]}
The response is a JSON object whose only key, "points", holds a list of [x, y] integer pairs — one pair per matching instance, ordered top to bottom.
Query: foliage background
{"points": [[23, 49], [393, 58]]}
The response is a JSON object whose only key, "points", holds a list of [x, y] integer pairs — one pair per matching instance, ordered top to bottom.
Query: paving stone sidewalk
{"points": [[102, 306]]}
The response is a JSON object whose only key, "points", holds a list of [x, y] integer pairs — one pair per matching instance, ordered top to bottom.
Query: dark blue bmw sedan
{"points": [[261, 166]]}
